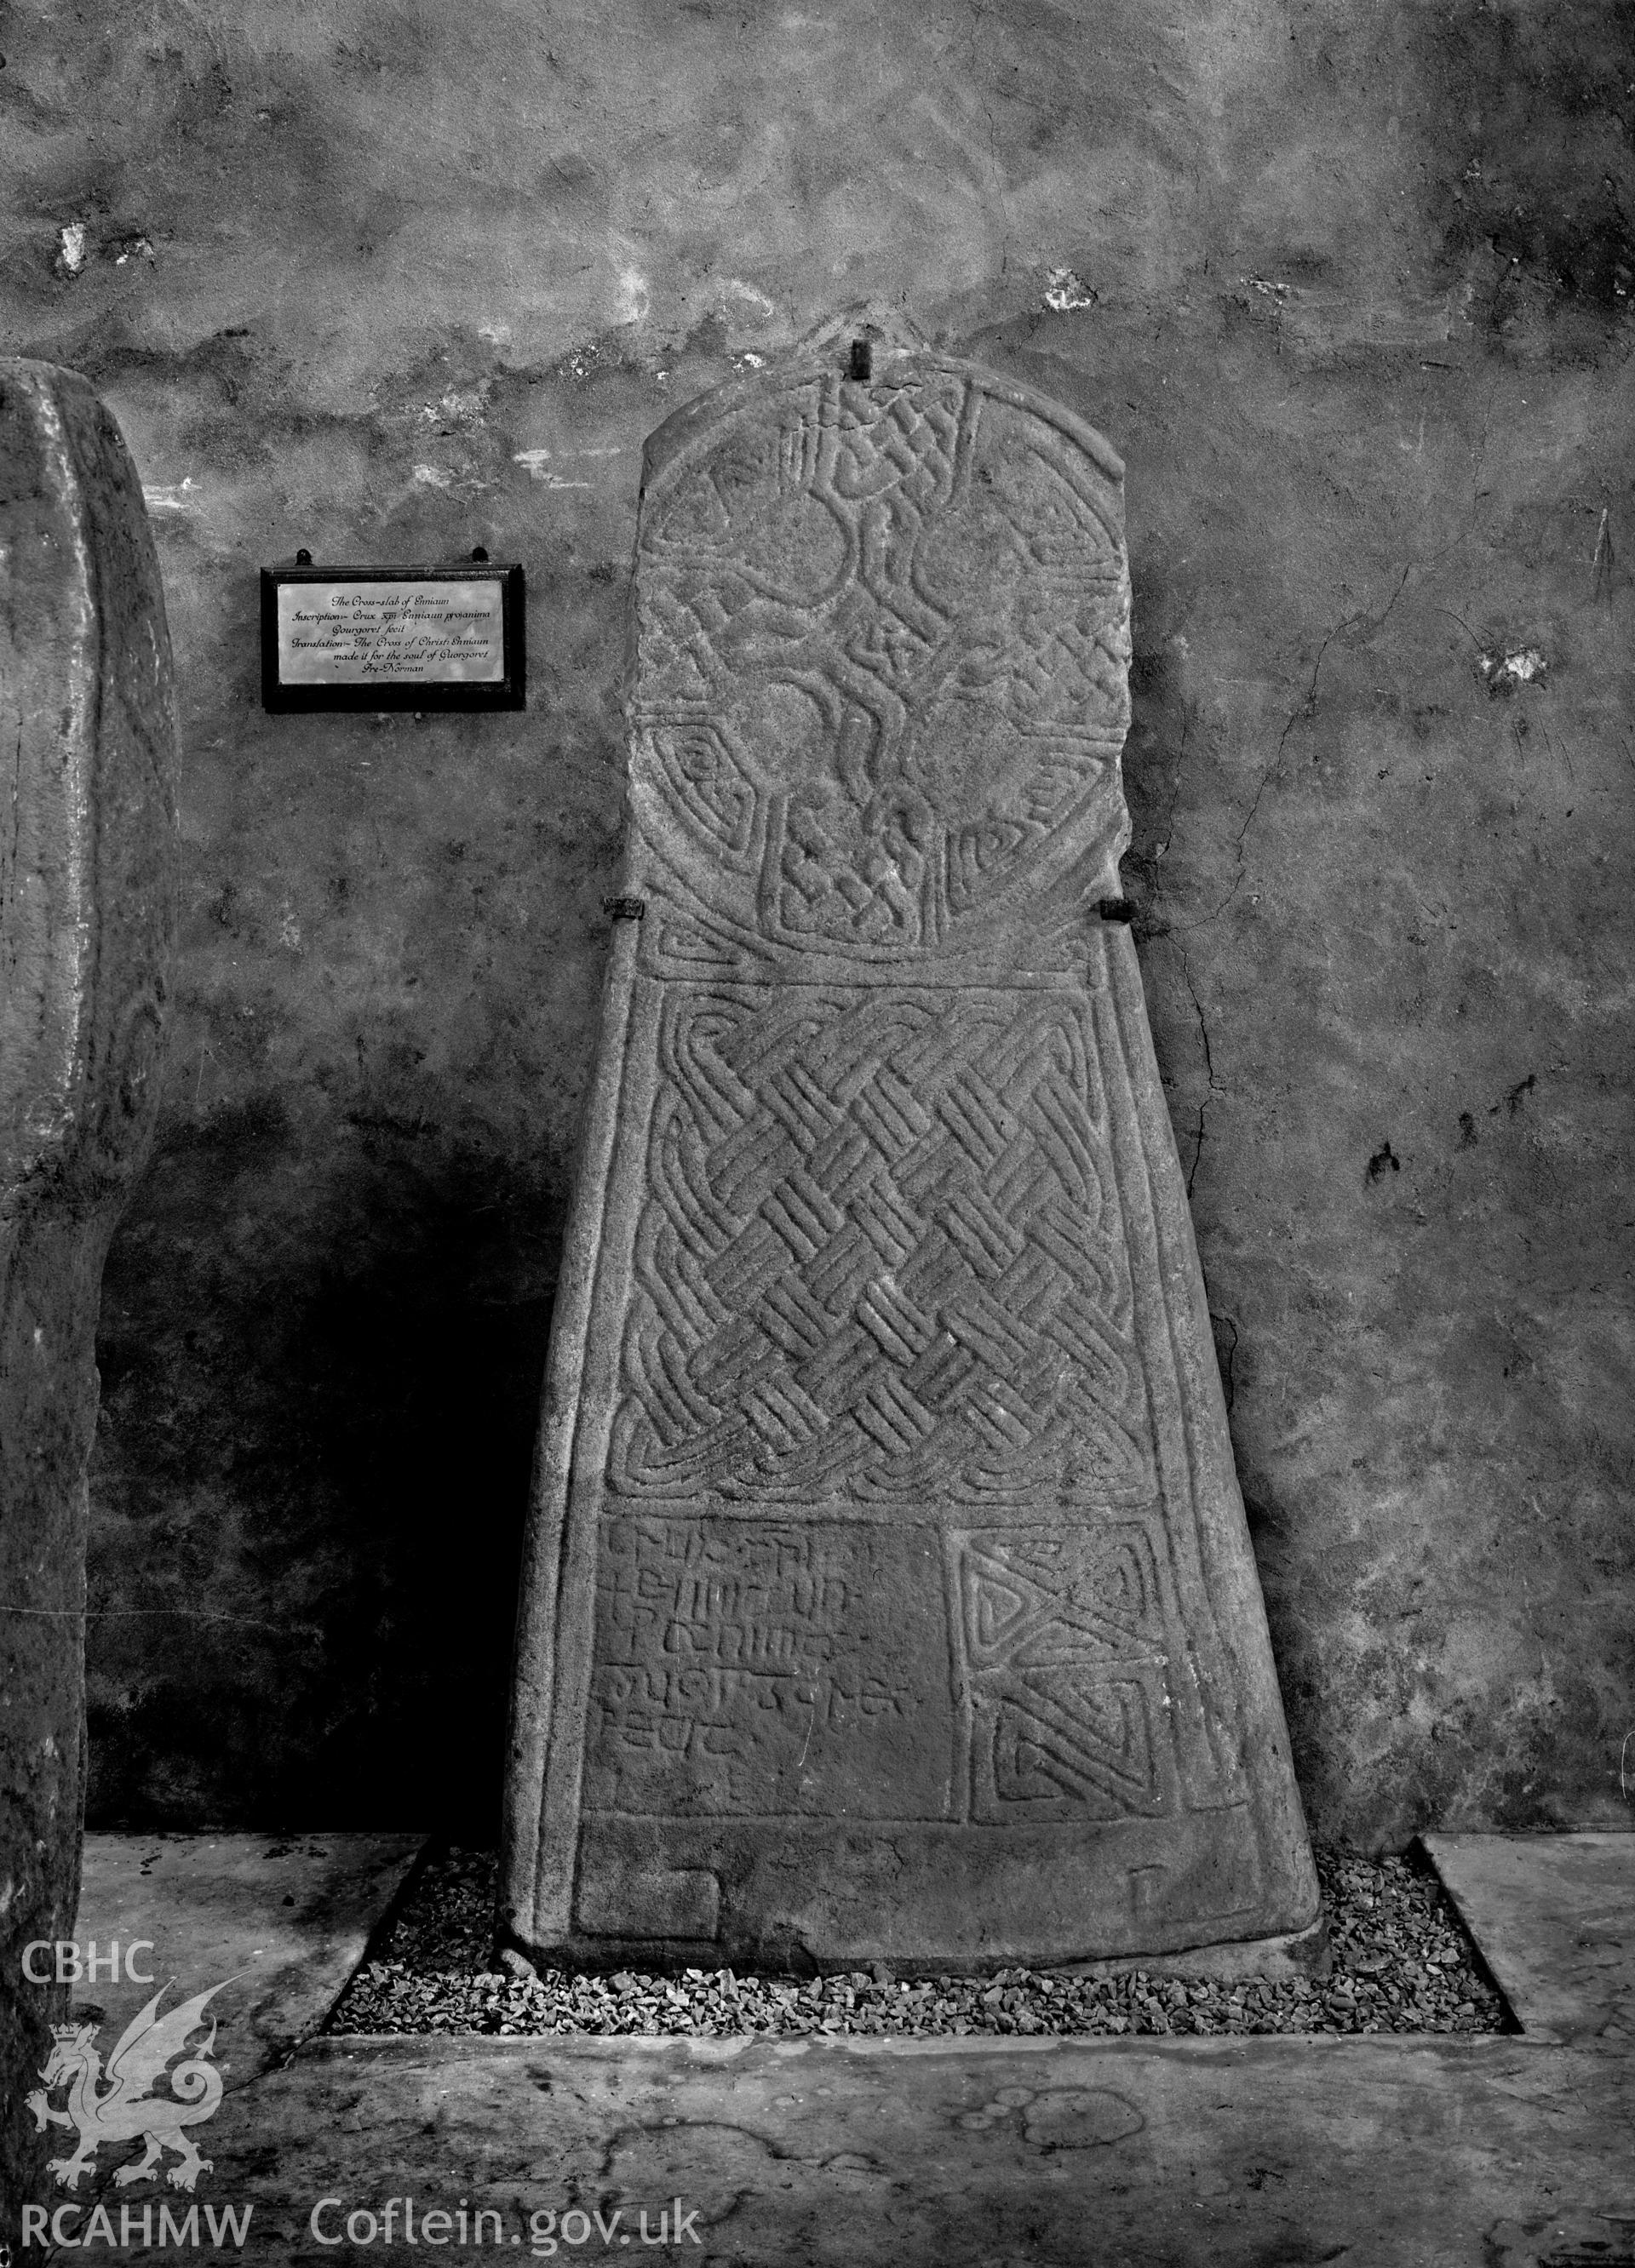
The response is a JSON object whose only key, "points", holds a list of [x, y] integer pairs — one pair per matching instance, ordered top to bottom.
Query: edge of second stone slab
{"points": [[1554, 1918], [277, 1924]]}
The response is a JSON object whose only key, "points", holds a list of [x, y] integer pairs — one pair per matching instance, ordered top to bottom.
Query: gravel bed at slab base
{"points": [[1402, 1962]]}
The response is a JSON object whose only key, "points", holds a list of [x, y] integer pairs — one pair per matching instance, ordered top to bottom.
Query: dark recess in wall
{"points": [[375, 1421]]}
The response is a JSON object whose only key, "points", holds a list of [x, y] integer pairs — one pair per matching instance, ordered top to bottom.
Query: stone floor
{"points": [[277, 1923], [1512, 2152]]}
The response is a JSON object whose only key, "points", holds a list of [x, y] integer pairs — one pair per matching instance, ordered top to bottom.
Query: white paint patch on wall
{"points": [[735, 288], [1063, 291], [634, 297], [537, 463], [178, 498], [1505, 671]]}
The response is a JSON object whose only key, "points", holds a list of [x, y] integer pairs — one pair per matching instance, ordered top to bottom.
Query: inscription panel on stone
{"points": [[751, 1670]]}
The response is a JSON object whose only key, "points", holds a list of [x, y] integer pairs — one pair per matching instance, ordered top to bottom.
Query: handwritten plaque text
{"points": [[356, 633], [392, 639]]}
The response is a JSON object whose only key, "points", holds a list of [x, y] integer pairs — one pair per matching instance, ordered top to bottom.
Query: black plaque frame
{"points": [[510, 691]]}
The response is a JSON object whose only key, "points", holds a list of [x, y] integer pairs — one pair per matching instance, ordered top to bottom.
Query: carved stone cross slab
{"points": [[888, 1591]]}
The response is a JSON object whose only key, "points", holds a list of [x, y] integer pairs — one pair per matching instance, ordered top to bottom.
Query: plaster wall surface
{"points": [[1348, 287]]}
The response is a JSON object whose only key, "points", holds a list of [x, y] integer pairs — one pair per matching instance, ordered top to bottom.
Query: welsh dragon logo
{"points": [[117, 2104]]}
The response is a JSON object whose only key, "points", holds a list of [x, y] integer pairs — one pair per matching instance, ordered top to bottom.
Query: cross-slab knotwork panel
{"points": [[883, 646], [880, 1257]]}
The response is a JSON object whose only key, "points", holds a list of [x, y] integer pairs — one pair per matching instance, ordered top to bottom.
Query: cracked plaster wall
{"points": [[1348, 285]]}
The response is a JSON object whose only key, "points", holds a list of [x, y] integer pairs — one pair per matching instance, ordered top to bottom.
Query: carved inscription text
{"points": [[752, 1670]]}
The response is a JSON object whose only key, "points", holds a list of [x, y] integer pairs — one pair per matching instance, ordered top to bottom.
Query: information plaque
{"points": [[392, 638]]}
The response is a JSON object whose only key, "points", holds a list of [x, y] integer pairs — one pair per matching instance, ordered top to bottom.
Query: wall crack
{"points": [[1214, 1084]]}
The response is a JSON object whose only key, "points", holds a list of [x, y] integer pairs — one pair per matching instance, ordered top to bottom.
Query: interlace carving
{"points": [[883, 647], [881, 1258], [893, 1483], [1064, 1644]]}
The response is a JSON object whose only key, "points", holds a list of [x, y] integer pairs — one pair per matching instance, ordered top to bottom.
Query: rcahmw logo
{"points": [[116, 2103], [129, 2107], [230, 2224]]}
